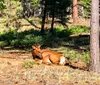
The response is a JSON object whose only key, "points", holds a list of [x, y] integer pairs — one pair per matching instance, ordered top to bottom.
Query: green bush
{"points": [[78, 29], [32, 37], [2, 44]]}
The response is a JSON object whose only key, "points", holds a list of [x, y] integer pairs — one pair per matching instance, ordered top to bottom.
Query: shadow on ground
{"points": [[24, 40]]}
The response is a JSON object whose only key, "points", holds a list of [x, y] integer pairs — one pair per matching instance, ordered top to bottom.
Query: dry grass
{"points": [[12, 72]]}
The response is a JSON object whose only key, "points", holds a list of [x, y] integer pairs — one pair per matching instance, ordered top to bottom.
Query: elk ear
{"points": [[39, 46], [33, 47]]}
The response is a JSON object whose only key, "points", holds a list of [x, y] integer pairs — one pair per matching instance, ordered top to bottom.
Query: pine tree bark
{"points": [[75, 12], [53, 16], [44, 17], [94, 38]]}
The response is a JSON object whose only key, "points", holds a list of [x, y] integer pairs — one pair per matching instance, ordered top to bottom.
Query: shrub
{"points": [[78, 29]]}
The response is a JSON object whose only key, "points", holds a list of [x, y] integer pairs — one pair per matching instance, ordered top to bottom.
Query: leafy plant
{"points": [[86, 4], [2, 5], [78, 29], [2, 44]]}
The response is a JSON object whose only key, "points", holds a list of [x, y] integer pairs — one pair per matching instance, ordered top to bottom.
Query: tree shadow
{"points": [[31, 22], [24, 40], [80, 42]]}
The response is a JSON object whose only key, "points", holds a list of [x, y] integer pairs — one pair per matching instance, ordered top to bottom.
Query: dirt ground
{"points": [[12, 72]]}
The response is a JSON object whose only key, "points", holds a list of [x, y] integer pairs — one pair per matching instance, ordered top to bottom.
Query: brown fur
{"points": [[47, 56]]}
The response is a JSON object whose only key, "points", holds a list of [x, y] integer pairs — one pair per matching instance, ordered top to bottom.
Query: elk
{"points": [[47, 56]]}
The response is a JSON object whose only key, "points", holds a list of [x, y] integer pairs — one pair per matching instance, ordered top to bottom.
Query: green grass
{"points": [[74, 55], [28, 64]]}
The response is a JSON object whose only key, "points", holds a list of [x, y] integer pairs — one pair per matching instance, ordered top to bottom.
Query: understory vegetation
{"points": [[27, 38], [75, 45]]}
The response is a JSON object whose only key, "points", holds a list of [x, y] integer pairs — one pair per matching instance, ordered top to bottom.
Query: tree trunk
{"points": [[75, 12], [44, 16], [53, 16], [94, 38]]}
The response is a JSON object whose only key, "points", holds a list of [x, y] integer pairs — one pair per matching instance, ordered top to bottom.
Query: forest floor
{"points": [[13, 72]]}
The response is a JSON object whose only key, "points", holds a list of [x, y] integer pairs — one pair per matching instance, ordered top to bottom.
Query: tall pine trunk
{"points": [[75, 11], [44, 16], [53, 16], [94, 38]]}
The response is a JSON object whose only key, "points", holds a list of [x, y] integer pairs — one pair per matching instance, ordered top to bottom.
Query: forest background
{"points": [[51, 24]]}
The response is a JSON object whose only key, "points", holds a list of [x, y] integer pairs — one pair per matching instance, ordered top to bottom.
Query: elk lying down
{"points": [[47, 56]]}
